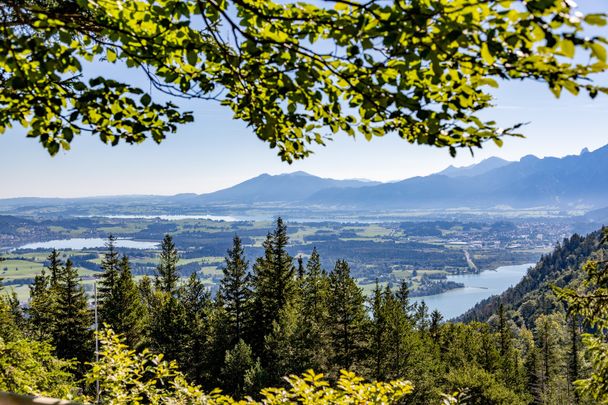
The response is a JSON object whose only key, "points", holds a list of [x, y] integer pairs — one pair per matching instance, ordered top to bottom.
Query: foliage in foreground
{"points": [[295, 72], [590, 302], [29, 366], [126, 376]]}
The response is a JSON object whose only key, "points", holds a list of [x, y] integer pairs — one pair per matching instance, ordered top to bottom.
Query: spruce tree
{"points": [[54, 267], [167, 275], [108, 285], [274, 285], [235, 291], [41, 307], [127, 308], [315, 314], [347, 317], [435, 324], [168, 328], [72, 334], [378, 335], [195, 356], [241, 372]]}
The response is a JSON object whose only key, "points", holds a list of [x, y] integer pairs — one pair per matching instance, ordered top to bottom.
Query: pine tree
{"points": [[54, 267], [300, 267], [167, 275], [108, 285], [274, 285], [235, 291], [403, 296], [42, 307], [127, 313], [315, 314], [421, 316], [347, 317], [435, 325], [168, 328], [72, 334], [378, 334], [285, 345], [574, 353], [195, 356], [240, 373]]}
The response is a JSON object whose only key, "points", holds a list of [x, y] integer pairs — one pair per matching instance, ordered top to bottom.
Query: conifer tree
{"points": [[54, 267], [300, 267], [167, 275], [108, 285], [274, 285], [235, 291], [403, 295], [41, 307], [123, 308], [315, 314], [421, 316], [347, 317], [435, 324], [168, 328], [72, 334], [378, 334], [285, 345], [195, 356], [241, 372]]}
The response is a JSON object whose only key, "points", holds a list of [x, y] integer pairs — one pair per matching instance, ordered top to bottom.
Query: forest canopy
{"points": [[296, 73]]}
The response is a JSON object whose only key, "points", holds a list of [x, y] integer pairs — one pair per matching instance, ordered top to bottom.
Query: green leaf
{"points": [[568, 48], [599, 51], [486, 55]]}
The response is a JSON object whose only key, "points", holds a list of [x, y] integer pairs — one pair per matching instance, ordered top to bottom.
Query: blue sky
{"points": [[217, 151]]}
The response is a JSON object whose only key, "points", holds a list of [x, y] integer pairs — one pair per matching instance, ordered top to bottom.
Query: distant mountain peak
{"points": [[584, 151], [476, 169], [297, 173]]}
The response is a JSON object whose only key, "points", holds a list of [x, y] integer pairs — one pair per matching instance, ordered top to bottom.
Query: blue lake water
{"points": [[226, 218], [87, 243], [477, 287]]}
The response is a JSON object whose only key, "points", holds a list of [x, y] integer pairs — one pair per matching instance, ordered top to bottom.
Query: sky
{"points": [[217, 151]]}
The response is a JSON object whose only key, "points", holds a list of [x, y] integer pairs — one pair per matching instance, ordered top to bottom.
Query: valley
{"points": [[423, 252]]}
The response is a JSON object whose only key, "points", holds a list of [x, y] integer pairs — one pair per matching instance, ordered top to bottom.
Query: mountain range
{"points": [[575, 180], [567, 182]]}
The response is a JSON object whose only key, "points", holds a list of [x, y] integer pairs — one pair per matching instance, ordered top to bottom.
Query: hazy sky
{"points": [[217, 151]]}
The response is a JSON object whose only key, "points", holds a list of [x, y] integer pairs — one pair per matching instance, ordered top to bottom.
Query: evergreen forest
{"points": [[162, 337]]}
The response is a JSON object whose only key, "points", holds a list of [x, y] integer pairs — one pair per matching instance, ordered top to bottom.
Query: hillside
{"points": [[532, 296]]}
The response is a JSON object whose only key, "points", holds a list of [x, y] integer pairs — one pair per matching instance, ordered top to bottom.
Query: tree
{"points": [[268, 62], [54, 267], [167, 275], [108, 284], [274, 285], [235, 292], [590, 304], [42, 306], [123, 309], [315, 314], [347, 318], [72, 335], [195, 355], [29, 367], [240, 370], [148, 376]]}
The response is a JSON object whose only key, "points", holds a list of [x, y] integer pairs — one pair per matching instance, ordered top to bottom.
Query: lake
{"points": [[225, 218], [87, 243], [477, 287]]}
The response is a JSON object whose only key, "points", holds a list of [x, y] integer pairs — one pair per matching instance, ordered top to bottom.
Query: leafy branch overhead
{"points": [[297, 73]]}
